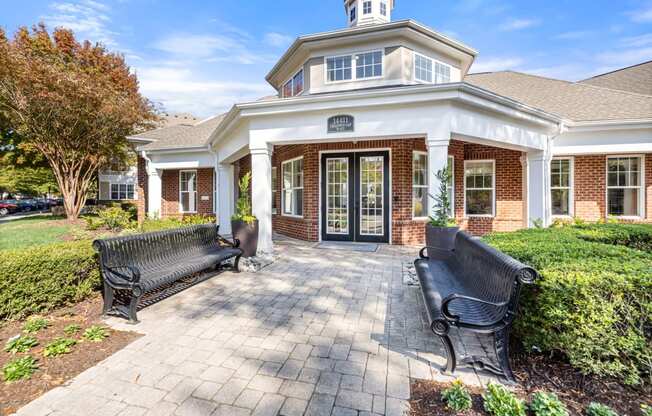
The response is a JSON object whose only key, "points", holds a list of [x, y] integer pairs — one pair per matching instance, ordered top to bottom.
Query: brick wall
{"points": [[170, 193], [405, 230]]}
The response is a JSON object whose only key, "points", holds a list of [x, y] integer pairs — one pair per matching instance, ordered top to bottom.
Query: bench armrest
{"points": [[235, 243], [422, 252], [132, 277], [454, 318]]}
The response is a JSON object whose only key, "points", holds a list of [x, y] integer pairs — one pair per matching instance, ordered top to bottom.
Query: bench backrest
{"points": [[143, 250], [489, 273]]}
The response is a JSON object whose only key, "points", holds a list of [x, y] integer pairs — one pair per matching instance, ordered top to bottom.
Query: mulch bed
{"points": [[55, 371], [542, 373]]}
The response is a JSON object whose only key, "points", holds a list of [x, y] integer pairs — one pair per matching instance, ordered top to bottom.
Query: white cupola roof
{"points": [[368, 12]]}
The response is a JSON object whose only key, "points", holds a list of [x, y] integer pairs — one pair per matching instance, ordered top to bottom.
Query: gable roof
{"points": [[636, 79], [569, 100], [180, 136]]}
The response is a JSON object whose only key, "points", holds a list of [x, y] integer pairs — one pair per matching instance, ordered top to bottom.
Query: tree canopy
{"points": [[72, 103]]}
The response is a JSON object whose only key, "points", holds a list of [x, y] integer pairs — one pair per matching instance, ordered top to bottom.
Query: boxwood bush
{"points": [[637, 236], [40, 278], [594, 300]]}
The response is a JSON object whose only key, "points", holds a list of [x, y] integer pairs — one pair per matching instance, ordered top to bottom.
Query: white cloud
{"points": [[641, 15], [87, 18], [518, 24], [574, 35], [278, 40], [637, 41], [210, 48], [621, 58], [496, 64], [184, 90]]}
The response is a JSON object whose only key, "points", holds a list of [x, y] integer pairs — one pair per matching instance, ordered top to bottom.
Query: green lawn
{"points": [[32, 231]]}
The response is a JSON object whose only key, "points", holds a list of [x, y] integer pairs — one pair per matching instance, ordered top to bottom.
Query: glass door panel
{"points": [[337, 195], [371, 196]]}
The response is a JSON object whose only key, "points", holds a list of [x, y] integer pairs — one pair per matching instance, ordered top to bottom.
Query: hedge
{"points": [[637, 236], [41, 278], [593, 302]]}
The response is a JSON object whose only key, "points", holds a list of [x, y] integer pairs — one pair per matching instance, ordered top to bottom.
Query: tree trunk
{"points": [[73, 186]]}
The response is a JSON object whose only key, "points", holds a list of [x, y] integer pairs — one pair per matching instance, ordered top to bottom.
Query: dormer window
{"points": [[366, 7], [383, 8], [352, 14], [368, 65], [338, 68], [430, 71], [294, 86]]}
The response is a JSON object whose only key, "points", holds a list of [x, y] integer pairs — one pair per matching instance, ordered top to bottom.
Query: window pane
{"points": [[366, 7], [383, 8], [423, 68], [297, 83], [287, 89], [419, 162], [115, 191], [130, 191], [185, 201], [419, 201], [298, 202], [478, 202], [560, 202], [623, 202]]}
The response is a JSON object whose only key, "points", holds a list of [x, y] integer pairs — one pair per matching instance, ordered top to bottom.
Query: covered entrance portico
{"points": [[339, 202]]}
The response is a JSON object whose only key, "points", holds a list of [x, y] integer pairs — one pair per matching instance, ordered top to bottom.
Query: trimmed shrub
{"points": [[164, 224], [636, 236], [41, 278], [593, 302], [499, 401], [547, 404]]}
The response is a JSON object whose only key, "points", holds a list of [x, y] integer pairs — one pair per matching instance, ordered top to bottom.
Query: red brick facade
{"points": [[589, 187], [141, 189], [404, 230]]}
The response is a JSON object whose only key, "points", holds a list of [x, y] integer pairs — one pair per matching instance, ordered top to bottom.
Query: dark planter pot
{"points": [[248, 236], [442, 238]]}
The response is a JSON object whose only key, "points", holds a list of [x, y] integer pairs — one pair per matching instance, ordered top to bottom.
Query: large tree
{"points": [[73, 103]]}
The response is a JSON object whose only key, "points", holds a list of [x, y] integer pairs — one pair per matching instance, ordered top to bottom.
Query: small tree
{"points": [[73, 103], [243, 205], [442, 207]]}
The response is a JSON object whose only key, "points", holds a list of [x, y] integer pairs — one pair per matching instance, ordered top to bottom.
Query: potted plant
{"points": [[244, 225], [441, 229]]}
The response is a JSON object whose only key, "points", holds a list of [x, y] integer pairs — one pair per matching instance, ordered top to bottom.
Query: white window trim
{"points": [[371, 7], [434, 66], [354, 67], [291, 80], [451, 161], [285, 162], [641, 187], [493, 188], [571, 188], [274, 190], [126, 192], [181, 211]]}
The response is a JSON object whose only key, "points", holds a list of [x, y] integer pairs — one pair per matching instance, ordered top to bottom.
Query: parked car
{"points": [[7, 208]]}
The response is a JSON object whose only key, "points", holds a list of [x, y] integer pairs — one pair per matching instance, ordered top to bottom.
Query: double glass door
{"points": [[355, 196]]}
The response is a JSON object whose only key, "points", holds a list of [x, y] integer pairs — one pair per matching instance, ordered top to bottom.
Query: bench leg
{"points": [[236, 264], [107, 295], [133, 309], [501, 338], [450, 354]]}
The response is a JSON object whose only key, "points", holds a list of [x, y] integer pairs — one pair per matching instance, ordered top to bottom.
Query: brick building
{"points": [[365, 117]]}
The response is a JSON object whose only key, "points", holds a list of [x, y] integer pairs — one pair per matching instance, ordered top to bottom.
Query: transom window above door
{"points": [[364, 65], [624, 183]]}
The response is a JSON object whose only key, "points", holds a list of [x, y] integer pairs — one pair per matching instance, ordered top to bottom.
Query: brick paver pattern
{"points": [[318, 332]]}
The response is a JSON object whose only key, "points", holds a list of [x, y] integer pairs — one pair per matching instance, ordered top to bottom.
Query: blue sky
{"points": [[201, 56]]}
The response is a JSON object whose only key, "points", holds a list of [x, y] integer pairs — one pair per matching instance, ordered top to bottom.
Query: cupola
{"points": [[368, 12]]}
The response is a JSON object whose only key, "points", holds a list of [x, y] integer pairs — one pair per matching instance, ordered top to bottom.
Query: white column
{"points": [[437, 160], [538, 188], [154, 193], [261, 195], [225, 204]]}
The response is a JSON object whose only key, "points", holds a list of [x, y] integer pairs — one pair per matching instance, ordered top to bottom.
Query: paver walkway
{"points": [[319, 332]]}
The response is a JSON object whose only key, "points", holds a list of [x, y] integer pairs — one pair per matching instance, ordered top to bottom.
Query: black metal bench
{"points": [[137, 264], [474, 288]]}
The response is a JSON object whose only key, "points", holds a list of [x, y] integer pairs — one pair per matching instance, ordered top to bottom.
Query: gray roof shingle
{"points": [[636, 79], [569, 100], [183, 135]]}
